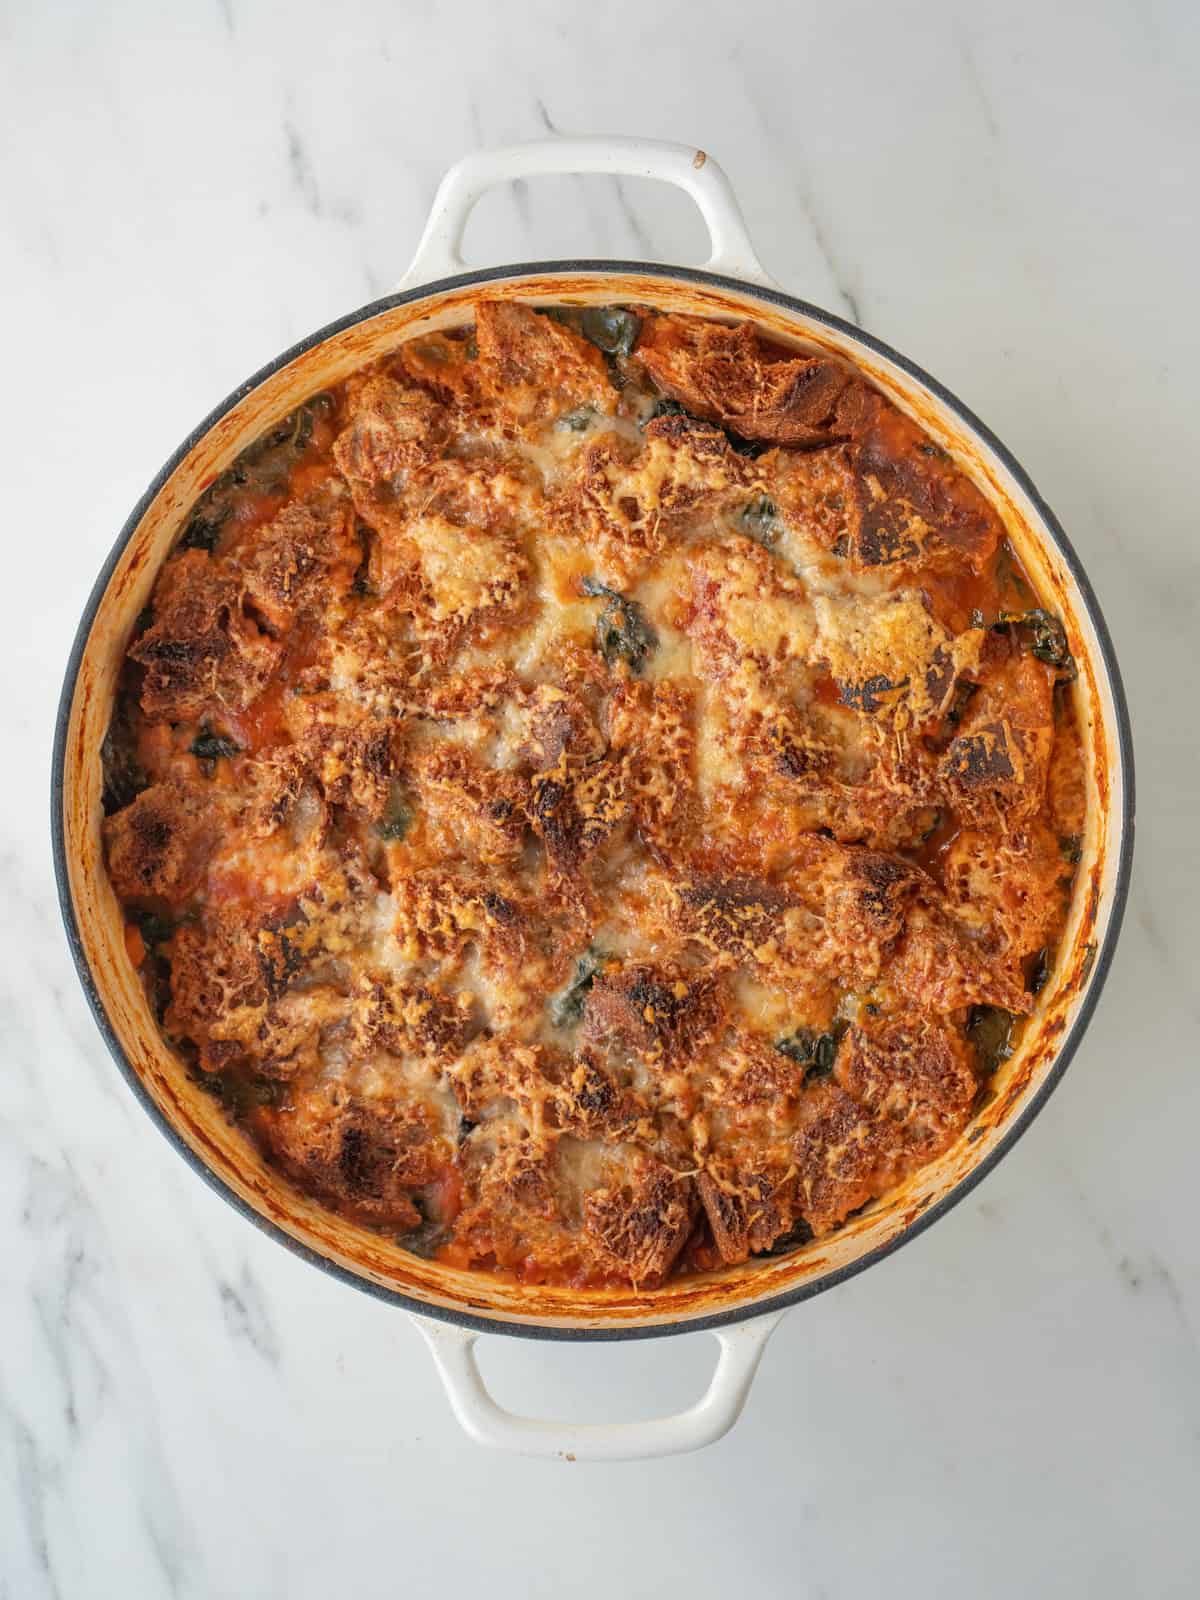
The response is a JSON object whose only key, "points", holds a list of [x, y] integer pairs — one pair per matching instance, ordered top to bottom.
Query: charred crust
{"points": [[756, 391], [681, 430], [881, 541], [202, 652], [939, 679], [871, 696], [798, 753], [981, 758], [574, 809], [157, 846], [885, 883], [439, 884], [501, 911], [736, 915], [281, 955], [660, 1013], [410, 1019], [915, 1076], [590, 1102], [353, 1159], [370, 1159], [749, 1208], [644, 1222]]}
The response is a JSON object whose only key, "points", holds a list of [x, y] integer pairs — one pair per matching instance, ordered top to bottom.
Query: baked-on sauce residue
{"points": [[595, 795]]}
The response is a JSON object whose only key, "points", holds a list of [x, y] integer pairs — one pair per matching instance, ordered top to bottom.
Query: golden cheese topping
{"points": [[595, 795]]}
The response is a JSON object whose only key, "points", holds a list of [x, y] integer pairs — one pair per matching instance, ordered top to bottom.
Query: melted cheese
{"points": [[530, 928]]}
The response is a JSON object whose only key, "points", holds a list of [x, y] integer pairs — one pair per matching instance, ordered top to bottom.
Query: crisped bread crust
{"points": [[588, 786]]}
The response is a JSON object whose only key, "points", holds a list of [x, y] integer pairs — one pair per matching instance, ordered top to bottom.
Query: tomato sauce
{"points": [[709, 856]]}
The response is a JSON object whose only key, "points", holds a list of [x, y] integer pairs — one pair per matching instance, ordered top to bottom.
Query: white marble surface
{"points": [[1005, 192]]}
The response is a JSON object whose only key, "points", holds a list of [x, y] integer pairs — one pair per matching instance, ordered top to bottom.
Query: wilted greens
{"points": [[611, 329], [263, 466], [760, 520], [622, 631], [1044, 636], [209, 746], [397, 817], [566, 1007], [989, 1028], [815, 1051]]}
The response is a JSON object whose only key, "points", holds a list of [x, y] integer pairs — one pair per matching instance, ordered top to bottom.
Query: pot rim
{"points": [[1020, 1122]]}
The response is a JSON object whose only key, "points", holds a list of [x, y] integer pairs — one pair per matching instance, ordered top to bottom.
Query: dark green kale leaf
{"points": [[611, 329], [576, 421], [263, 466], [759, 519], [622, 631], [1043, 635], [209, 746], [124, 778], [396, 819], [155, 930], [1038, 969], [566, 1007], [989, 1028], [817, 1052], [800, 1233]]}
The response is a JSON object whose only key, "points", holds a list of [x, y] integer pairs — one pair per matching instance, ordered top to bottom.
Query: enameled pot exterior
{"points": [[190, 1118]]}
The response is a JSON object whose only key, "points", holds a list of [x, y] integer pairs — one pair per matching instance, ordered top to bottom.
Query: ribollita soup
{"points": [[595, 795]]}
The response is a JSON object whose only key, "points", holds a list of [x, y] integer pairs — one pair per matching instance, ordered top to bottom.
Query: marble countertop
{"points": [[1007, 193]]}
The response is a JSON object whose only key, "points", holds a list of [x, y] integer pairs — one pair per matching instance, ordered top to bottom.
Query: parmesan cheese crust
{"points": [[594, 795]]}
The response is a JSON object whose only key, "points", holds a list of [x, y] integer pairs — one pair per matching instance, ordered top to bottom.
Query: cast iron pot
{"points": [[740, 1305]]}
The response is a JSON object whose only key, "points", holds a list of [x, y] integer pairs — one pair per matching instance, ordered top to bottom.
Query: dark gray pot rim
{"points": [[1021, 1121]]}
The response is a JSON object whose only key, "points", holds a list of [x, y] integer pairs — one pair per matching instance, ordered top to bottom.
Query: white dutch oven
{"points": [[739, 1305]]}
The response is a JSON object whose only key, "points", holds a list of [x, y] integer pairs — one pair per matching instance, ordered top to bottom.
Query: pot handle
{"points": [[687, 168], [489, 1424]]}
